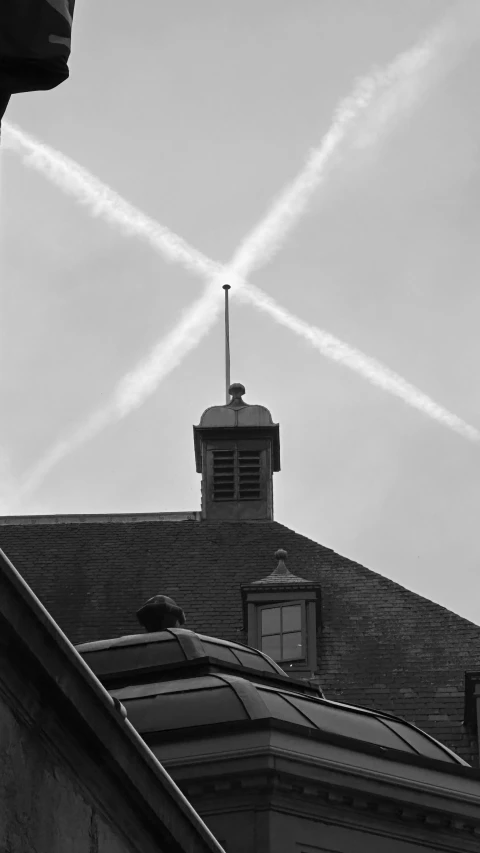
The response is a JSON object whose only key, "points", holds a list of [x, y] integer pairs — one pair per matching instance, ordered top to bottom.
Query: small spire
{"points": [[281, 556], [281, 574]]}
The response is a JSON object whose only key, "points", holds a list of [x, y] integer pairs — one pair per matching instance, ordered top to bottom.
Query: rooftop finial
{"points": [[226, 288], [236, 391], [281, 556], [281, 574], [159, 613]]}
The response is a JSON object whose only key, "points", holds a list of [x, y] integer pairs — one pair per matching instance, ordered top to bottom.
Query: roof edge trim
{"points": [[91, 518]]}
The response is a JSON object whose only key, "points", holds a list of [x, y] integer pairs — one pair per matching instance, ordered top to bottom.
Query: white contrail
{"points": [[457, 32], [390, 95], [101, 200], [104, 202], [283, 215], [259, 247], [376, 373], [141, 382], [135, 387]]}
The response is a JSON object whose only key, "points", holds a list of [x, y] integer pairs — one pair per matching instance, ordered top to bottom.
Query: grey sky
{"points": [[199, 114]]}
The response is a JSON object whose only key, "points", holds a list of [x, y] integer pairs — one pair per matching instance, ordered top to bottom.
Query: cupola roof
{"points": [[236, 413], [237, 419], [220, 699]]}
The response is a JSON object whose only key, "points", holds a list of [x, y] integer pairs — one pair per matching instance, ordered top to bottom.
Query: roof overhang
{"points": [[271, 767], [318, 770]]}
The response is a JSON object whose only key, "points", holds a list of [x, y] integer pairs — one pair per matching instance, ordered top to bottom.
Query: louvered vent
{"points": [[223, 475], [236, 475], [249, 475]]}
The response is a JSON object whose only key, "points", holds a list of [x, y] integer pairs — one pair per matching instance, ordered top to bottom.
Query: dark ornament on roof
{"points": [[236, 391], [236, 413], [281, 574], [159, 613]]}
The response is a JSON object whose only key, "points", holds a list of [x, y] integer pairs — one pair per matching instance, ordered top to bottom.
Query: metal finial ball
{"points": [[237, 389], [281, 554]]}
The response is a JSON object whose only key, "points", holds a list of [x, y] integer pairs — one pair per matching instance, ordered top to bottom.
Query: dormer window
{"points": [[281, 617], [282, 631]]}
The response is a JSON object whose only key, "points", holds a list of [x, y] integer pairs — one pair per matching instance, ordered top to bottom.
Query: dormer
{"points": [[237, 449], [282, 618]]}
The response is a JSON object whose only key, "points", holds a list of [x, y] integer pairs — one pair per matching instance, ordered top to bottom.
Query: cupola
{"points": [[237, 449]]}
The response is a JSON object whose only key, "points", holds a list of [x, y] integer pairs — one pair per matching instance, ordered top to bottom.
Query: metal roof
{"points": [[381, 645], [157, 650], [218, 699]]}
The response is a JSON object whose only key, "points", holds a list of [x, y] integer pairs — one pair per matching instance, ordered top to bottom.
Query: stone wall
{"points": [[75, 777], [48, 803]]}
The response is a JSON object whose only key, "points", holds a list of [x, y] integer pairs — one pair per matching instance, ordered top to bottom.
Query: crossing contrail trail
{"points": [[386, 88], [377, 103], [102, 201], [263, 242], [376, 373], [141, 382]]}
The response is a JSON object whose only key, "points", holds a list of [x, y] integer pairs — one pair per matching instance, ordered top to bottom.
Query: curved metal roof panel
{"points": [[244, 416], [164, 648], [221, 698]]}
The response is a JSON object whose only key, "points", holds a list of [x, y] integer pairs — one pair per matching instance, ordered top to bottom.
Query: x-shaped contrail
{"points": [[390, 92]]}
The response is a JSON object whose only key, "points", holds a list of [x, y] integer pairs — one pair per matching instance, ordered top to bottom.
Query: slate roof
{"points": [[380, 646]]}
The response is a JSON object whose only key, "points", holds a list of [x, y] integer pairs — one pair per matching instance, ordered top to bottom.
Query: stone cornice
{"points": [[290, 794], [388, 796]]}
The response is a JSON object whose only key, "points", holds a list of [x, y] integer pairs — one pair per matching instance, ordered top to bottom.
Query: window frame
{"points": [[256, 600], [303, 628]]}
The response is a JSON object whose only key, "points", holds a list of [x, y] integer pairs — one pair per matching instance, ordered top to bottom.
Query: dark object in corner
{"points": [[35, 41], [4, 99]]}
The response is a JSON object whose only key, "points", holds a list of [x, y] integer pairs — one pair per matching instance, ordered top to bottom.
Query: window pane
{"points": [[292, 618], [271, 620], [271, 646], [292, 646]]}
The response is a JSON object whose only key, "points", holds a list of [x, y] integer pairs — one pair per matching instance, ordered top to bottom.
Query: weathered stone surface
{"points": [[74, 776], [42, 807]]}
